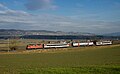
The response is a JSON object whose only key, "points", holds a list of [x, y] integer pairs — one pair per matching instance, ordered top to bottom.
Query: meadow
{"points": [[80, 60]]}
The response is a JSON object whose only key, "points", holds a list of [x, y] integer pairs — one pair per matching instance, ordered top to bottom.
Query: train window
{"points": [[106, 42], [31, 44], [38, 44], [55, 44]]}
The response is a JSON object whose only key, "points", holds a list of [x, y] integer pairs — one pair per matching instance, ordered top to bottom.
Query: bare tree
{"points": [[13, 44]]}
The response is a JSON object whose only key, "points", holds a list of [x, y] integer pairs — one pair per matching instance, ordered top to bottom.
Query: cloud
{"points": [[39, 4], [2, 7], [6, 11], [9, 17], [16, 19]]}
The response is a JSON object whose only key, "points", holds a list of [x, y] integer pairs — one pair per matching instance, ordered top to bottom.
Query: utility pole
{"points": [[8, 44]]}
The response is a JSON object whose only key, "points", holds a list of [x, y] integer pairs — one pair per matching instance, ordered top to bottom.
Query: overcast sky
{"points": [[93, 16]]}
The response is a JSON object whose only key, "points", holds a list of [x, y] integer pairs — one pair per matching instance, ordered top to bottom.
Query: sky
{"points": [[93, 16]]}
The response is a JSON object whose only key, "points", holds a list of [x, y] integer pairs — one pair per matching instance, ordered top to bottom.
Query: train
{"points": [[66, 45]]}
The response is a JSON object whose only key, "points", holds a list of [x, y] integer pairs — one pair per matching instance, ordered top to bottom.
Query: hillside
{"points": [[39, 32], [113, 34]]}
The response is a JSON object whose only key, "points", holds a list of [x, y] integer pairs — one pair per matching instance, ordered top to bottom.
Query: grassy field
{"points": [[84, 60]]}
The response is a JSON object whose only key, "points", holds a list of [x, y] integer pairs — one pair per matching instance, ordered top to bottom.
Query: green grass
{"points": [[100, 60], [69, 70]]}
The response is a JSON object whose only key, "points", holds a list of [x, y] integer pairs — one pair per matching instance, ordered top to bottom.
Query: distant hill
{"points": [[4, 32], [44, 34], [113, 34]]}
